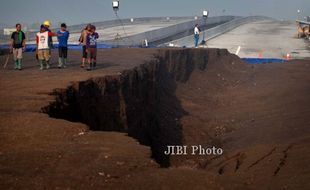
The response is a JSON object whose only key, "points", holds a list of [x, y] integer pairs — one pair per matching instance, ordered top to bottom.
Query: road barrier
{"points": [[185, 28], [223, 28], [217, 30], [262, 60]]}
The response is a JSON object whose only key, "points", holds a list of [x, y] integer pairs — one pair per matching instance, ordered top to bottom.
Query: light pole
{"points": [[115, 6], [298, 13], [205, 15]]}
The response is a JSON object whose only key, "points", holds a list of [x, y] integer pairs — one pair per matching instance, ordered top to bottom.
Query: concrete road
{"points": [[266, 39]]}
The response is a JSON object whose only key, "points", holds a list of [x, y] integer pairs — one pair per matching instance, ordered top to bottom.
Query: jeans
{"points": [[196, 40]]}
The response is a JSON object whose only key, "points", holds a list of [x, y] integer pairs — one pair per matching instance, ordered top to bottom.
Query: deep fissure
{"points": [[141, 102]]}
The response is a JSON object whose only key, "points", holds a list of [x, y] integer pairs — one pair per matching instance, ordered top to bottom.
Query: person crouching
{"points": [[43, 47]]}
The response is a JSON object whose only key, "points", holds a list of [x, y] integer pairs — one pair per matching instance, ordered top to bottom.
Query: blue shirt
{"points": [[63, 38]]}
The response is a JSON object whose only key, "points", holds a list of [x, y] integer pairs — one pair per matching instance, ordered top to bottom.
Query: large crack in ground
{"points": [[184, 97], [135, 102], [141, 102]]}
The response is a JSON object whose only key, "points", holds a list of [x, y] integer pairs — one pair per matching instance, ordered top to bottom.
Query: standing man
{"points": [[47, 25], [196, 35], [63, 36], [82, 40], [17, 46], [43, 47]]}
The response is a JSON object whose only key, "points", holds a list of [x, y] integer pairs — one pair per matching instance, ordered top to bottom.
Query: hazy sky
{"points": [[83, 11]]}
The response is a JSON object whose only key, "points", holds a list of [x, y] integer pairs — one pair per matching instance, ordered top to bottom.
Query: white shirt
{"points": [[196, 30], [43, 40]]}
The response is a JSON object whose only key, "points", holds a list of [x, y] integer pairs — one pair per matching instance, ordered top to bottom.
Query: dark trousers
{"points": [[63, 52], [84, 52], [92, 53]]}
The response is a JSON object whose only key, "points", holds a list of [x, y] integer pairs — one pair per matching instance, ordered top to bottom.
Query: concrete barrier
{"points": [[104, 24], [223, 28], [217, 30], [165, 33]]}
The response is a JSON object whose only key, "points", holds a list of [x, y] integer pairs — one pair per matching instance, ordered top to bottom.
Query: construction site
{"points": [[236, 108]]}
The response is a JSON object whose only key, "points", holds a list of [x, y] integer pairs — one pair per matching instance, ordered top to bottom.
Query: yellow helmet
{"points": [[46, 23]]}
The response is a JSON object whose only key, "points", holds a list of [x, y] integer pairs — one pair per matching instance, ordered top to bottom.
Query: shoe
{"points": [[60, 63], [64, 63], [19, 64], [41, 64], [15, 65], [82, 66]]}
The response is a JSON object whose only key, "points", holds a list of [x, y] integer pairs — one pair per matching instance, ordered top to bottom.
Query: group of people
{"points": [[88, 39], [44, 44]]}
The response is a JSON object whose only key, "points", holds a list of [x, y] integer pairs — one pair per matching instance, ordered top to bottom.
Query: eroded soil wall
{"points": [[141, 102]]}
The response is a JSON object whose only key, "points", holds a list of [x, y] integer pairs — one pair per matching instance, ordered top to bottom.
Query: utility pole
{"points": [[205, 15]]}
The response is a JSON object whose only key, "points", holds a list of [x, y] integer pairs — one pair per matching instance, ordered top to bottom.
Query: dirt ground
{"points": [[259, 114]]}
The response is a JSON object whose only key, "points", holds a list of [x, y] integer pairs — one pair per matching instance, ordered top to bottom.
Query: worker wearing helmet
{"points": [[47, 25], [43, 48]]}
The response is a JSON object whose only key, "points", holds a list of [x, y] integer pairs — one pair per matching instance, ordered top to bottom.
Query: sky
{"points": [[84, 11]]}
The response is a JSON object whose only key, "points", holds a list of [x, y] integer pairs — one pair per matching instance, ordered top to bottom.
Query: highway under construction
{"points": [[255, 36]]}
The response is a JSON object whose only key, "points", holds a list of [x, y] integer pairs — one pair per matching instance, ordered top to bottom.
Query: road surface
{"points": [[266, 39]]}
